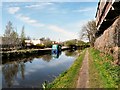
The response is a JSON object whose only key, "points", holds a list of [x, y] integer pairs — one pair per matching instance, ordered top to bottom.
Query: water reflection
{"points": [[71, 53], [56, 55], [47, 57], [22, 69], [34, 70], [10, 72], [0, 76]]}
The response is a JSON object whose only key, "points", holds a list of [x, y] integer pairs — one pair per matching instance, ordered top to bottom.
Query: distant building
{"points": [[28, 42], [33, 42]]}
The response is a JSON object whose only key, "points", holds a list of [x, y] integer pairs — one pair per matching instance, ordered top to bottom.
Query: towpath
{"points": [[83, 79]]}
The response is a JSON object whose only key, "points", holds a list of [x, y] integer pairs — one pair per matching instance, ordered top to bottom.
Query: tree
{"points": [[8, 30], [88, 31], [7, 33], [23, 36], [11, 37], [14, 38], [42, 39], [47, 42], [71, 42], [81, 43], [10, 72]]}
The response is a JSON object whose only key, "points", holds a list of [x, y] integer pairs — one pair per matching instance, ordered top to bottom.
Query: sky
{"points": [[55, 20]]}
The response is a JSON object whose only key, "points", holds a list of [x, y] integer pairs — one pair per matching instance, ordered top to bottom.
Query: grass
{"points": [[102, 72], [68, 78]]}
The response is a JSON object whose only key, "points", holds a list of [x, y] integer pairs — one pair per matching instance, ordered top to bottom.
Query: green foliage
{"points": [[70, 42], [48, 43], [76, 43], [82, 43], [40, 45], [107, 72], [68, 78]]}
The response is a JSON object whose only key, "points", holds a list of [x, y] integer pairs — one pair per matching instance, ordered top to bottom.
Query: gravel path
{"points": [[84, 74]]}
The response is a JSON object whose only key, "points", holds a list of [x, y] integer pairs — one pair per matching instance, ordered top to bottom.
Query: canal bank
{"points": [[26, 52], [92, 69], [68, 79]]}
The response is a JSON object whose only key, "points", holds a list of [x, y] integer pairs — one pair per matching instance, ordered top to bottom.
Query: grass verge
{"points": [[102, 72], [68, 78]]}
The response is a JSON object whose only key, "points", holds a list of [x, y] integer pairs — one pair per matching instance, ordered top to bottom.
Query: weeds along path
{"points": [[83, 78]]}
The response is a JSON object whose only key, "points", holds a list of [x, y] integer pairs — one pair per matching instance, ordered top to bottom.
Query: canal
{"points": [[32, 72]]}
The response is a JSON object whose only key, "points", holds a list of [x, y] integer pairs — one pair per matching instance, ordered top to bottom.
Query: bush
{"points": [[40, 46]]}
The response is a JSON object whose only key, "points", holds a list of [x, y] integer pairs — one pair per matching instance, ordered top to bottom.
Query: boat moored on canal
{"points": [[56, 48]]}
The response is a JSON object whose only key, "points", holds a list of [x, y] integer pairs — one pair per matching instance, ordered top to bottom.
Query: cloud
{"points": [[17, 0], [50, 0], [39, 5], [32, 6], [49, 7], [13, 10], [84, 10], [30, 21], [81, 23], [76, 27], [55, 28], [62, 31]]}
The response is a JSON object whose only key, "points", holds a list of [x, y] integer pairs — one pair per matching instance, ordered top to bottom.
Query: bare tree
{"points": [[8, 30], [88, 31], [7, 34], [23, 34], [10, 36], [23, 37], [14, 39]]}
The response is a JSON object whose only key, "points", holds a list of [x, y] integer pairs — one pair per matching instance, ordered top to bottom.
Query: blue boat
{"points": [[56, 48]]}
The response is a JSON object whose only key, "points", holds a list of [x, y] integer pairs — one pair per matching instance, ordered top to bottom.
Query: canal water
{"points": [[32, 72]]}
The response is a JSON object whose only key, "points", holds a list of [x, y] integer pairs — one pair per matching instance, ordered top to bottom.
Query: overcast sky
{"points": [[56, 20]]}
